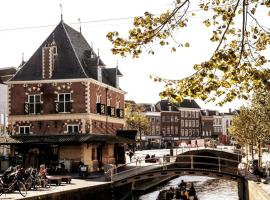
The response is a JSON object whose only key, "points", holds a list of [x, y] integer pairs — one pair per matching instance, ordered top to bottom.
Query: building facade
{"points": [[65, 105], [179, 122], [153, 137]]}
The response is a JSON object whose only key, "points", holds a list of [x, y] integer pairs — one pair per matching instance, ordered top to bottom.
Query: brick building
{"points": [[65, 105], [207, 117], [179, 122], [153, 137]]}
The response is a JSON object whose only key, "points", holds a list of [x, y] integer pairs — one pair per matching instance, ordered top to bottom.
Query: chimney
{"points": [[230, 110]]}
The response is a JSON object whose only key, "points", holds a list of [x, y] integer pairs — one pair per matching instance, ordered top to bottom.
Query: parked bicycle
{"points": [[12, 180]]}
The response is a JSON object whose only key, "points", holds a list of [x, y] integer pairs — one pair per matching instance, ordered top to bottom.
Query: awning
{"points": [[63, 139]]}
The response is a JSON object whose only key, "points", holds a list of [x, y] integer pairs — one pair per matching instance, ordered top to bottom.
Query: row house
{"points": [[66, 105], [207, 117], [179, 122], [152, 137]]}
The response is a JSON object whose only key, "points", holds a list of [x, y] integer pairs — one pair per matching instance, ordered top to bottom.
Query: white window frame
{"points": [[58, 98], [98, 98], [109, 102], [34, 103], [73, 125], [24, 128]]}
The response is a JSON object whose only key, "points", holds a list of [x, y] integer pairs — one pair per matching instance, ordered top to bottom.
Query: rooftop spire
{"points": [[61, 12]]}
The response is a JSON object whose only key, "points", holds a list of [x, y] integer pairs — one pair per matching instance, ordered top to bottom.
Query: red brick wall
{"points": [[18, 96], [114, 96], [100, 127]]}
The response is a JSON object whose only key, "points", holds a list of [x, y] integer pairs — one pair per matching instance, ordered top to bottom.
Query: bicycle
{"points": [[16, 184]]}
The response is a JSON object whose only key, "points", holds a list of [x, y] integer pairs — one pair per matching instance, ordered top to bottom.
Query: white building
{"points": [[3, 108]]}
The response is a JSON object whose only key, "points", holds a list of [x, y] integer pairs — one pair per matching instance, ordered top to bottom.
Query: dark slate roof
{"points": [[75, 59], [7, 73], [163, 105], [148, 107], [208, 113], [61, 139]]}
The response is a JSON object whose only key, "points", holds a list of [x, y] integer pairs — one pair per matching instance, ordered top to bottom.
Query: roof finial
{"points": [[61, 12], [79, 20], [22, 57], [116, 64]]}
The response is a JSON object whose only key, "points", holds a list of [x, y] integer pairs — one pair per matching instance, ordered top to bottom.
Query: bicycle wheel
{"points": [[28, 183], [21, 188], [1, 189]]}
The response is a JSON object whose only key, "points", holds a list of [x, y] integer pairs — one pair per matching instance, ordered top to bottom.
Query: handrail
{"points": [[164, 162]]}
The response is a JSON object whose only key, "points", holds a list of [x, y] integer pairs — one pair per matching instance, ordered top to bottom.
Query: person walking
{"points": [[130, 154]]}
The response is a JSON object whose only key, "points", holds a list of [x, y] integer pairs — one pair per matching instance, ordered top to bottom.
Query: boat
{"points": [[173, 194]]}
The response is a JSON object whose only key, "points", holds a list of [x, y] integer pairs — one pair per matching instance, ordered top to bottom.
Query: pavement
{"points": [[91, 180]]}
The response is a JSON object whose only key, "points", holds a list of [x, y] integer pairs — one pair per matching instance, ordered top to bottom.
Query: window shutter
{"points": [[26, 108]]}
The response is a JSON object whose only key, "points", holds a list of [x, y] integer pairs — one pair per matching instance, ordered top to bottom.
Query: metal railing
{"points": [[179, 162]]}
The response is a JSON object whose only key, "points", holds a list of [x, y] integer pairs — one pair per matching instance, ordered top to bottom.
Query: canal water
{"points": [[207, 188]]}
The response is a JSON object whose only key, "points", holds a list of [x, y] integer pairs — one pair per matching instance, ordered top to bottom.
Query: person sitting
{"points": [[147, 157], [43, 175], [182, 185], [192, 192]]}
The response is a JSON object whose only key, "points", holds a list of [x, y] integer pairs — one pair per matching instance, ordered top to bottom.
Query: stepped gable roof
{"points": [[75, 59]]}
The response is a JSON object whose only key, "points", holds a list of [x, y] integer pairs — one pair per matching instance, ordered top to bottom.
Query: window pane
{"points": [[61, 97], [67, 97], [31, 98], [37, 98], [32, 108], [70, 129], [76, 129], [21, 130], [27, 130]]}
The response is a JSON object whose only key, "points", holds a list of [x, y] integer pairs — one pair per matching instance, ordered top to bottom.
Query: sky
{"points": [[98, 18]]}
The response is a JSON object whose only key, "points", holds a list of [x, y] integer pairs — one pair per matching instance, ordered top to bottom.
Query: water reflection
{"points": [[206, 188]]}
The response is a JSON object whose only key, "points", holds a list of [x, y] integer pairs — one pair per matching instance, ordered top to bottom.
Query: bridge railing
{"points": [[179, 162]]}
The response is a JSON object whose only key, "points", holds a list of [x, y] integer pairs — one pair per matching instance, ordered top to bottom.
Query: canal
{"points": [[207, 188]]}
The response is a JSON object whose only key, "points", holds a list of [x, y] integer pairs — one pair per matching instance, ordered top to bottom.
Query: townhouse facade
{"points": [[64, 104], [179, 122]]}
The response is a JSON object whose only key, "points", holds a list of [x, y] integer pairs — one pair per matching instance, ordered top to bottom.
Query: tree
{"points": [[236, 67], [135, 119], [252, 125]]}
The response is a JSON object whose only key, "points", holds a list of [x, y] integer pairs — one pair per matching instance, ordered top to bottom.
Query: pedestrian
{"points": [[130, 154]]}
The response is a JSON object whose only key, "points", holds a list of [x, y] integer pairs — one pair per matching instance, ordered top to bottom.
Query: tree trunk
{"points": [[260, 154]]}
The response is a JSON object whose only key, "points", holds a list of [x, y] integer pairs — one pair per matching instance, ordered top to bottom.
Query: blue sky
{"points": [[136, 81]]}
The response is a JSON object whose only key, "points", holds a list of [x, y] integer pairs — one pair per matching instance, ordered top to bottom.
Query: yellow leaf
{"points": [[207, 23], [187, 44]]}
